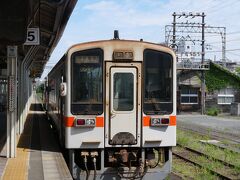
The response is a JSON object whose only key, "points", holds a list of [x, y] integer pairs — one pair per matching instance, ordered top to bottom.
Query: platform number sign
{"points": [[32, 36]]}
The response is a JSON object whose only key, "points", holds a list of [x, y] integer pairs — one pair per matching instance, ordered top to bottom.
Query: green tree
{"points": [[238, 71], [40, 88]]}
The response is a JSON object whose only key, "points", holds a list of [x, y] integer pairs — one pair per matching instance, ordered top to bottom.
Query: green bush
{"points": [[218, 78], [40, 88], [212, 111]]}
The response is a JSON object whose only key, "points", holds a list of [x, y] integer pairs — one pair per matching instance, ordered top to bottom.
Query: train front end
{"points": [[120, 110]]}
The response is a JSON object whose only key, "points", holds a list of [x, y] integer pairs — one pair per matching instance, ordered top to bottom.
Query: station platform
{"points": [[38, 152]]}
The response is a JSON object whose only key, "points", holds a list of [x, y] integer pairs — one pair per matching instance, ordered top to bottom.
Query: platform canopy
{"points": [[18, 16]]}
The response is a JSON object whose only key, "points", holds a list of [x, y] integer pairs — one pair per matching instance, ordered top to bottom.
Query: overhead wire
{"points": [[220, 6], [232, 33], [216, 42], [225, 50], [228, 51], [233, 54]]}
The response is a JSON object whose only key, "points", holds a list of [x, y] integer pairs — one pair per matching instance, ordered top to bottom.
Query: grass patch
{"points": [[39, 95], [213, 111], [191, 140], [187, 170], [205, 174]]}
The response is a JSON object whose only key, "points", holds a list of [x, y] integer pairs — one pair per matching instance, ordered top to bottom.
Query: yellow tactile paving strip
{"points": [[17, 168]]}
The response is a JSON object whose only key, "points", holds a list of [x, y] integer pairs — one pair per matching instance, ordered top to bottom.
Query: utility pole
{"points": [[191, 27], [174, 32], [223, 35], [202, 72]]}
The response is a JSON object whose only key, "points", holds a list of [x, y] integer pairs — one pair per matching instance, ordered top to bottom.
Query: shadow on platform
{"points": [[36, 107], [3, 131], [38, 133]]}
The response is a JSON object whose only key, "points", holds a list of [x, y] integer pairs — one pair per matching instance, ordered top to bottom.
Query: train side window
{"points": [[158, 82]]}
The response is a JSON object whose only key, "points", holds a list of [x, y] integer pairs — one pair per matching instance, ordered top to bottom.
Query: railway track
{"points": [[219, 135], [223, 146], [197, 158], [175, 176]]}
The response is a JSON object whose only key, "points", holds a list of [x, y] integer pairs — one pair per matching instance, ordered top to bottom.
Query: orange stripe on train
{"points": [[146, 120], [69, 121], [99, 121], [173, 121]]}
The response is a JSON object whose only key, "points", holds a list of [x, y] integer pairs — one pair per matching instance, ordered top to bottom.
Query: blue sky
{"points": [[135, 19]]}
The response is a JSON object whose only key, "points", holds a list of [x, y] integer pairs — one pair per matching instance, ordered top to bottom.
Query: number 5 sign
{"points": [[32, 36]]}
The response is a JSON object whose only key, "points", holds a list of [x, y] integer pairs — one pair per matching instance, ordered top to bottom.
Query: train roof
{"points": [[117, 40], [108, 41]]}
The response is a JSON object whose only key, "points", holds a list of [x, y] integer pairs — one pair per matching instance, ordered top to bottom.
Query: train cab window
{"points": [[158, 82], [87, 88]]}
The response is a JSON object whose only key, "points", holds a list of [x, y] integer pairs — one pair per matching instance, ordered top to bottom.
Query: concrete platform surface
{"points": [[38, 152]]}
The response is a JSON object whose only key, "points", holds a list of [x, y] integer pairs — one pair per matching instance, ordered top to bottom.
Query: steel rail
{"points": [[223, 147], [179, 155], [208, 156], [199, 165], [176, 176]]}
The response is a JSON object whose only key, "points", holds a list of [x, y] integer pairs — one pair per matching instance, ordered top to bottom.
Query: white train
{"points": [[114, 105]]}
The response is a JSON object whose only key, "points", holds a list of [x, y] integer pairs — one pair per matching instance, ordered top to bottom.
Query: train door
{"points": [[124, 97]]}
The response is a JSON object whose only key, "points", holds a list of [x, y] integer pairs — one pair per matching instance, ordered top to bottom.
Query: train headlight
{"points": [[155, 121], [159, 121], [90, 122]]}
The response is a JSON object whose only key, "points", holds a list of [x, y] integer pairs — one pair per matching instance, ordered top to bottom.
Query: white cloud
{"points": [[102, 6], [125, 14], [95, 20]]}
